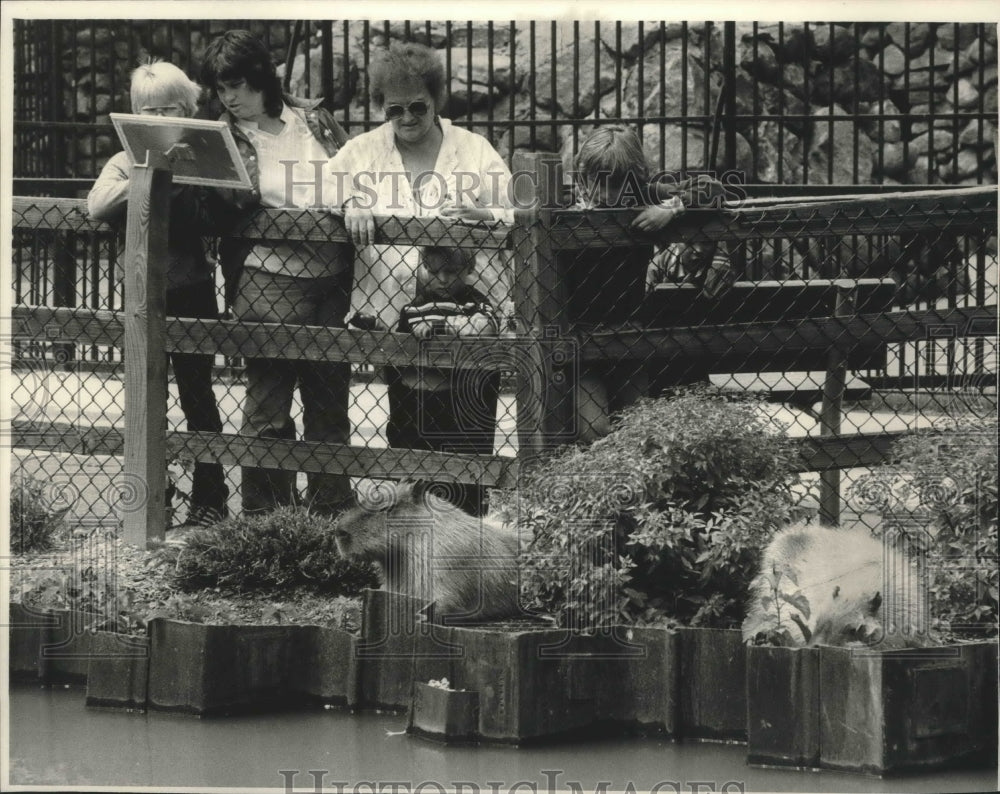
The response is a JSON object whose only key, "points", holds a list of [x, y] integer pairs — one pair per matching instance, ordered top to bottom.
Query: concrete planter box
{"points": [[27, 631], [66, 646], [396, 649], [328, 665], [202, 669], [118, 671], [545, 683], [530, 684], [641, 692], [713, 702], [783, 702], [923, 708], [872, 712], [446, 715]]}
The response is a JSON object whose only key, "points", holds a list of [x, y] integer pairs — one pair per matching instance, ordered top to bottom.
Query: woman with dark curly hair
{"points": [[286, 144]]}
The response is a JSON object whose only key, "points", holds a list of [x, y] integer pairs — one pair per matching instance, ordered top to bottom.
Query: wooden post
{"points": [[64, 283], [546, 386], [830, 412], [144, 483]]}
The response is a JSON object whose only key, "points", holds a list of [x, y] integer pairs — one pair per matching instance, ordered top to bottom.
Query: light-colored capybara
{"points": [[430, 549], [830, 586]]}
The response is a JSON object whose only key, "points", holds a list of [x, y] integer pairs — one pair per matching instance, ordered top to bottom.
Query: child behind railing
{"points": [[159, 88], [607, 285], [448, 410]]}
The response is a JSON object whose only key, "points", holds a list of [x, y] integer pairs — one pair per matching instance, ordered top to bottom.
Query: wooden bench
{"points": [[794, 376]]}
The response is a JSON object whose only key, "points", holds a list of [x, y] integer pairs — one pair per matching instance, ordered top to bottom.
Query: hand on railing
{"points": [[459, 211], [656, 217], [360, 225], [366, 322], [476, 325]]}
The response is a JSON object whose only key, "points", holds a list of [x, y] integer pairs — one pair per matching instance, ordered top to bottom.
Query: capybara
{"points": [[430, 549], [855, 590]]}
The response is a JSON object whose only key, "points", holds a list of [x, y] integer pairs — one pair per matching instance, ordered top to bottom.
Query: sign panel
{"points": [[200, 152]]}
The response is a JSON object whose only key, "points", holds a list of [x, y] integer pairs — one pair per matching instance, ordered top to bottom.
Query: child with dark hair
{"points": [[238, 56], [286, 145], [704, 264], [448, 410]]}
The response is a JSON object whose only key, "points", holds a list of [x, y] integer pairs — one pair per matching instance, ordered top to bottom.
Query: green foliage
{"points": [[952, 472], [664, 517], [35, 523], [283, 549], [82, 582], [766, 624]]}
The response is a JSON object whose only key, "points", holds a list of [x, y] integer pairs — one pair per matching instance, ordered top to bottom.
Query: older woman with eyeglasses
{"points": [[416, 164], [419, 164]]}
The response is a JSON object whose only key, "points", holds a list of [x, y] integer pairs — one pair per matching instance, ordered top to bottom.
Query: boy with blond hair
{"points": [[161, 89]]}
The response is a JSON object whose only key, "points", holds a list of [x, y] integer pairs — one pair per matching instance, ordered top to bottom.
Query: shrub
{"points": [[949, 475], [664, 517], [35, 523], [283, 549]]}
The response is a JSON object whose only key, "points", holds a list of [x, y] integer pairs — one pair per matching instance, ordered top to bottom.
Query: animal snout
{"points": [[342, 538]]}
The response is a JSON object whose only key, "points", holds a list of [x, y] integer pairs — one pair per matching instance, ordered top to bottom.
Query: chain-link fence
{"points": [[856, 317], [332, 385]]}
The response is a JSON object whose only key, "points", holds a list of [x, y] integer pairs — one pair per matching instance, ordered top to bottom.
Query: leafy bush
{"points": [[951, 476], [665, 517], [35, 523], [284, 549]]}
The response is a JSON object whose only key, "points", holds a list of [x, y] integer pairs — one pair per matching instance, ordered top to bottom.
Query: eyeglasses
{"points": [[159, 110], [393, 112]]}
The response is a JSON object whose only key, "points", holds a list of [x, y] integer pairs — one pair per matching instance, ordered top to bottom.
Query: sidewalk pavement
{"points": [[95, 399]]}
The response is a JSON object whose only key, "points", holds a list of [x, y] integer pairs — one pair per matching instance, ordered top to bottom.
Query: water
{"points": [[55, 740]]}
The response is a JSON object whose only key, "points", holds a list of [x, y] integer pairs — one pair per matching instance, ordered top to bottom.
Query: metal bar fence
{"points": [[894, 81]]}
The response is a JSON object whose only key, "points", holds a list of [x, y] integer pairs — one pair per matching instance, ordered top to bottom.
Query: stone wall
{"points": [[97, 58], [878, 71], [835, 89]]}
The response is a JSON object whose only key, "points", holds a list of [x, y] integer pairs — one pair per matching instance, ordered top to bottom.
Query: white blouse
{"points": [[370, 169], [293, 173]]}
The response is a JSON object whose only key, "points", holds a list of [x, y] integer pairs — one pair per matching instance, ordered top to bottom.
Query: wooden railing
{"points": [[544, 338]]}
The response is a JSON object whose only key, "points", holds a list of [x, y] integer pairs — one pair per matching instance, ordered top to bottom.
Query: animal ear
{"points": [[418, 490], [874, 604]]}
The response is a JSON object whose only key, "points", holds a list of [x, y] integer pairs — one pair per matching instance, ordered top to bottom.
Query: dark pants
{"points": [[193, 373], [324, 387], [460, 419]]}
